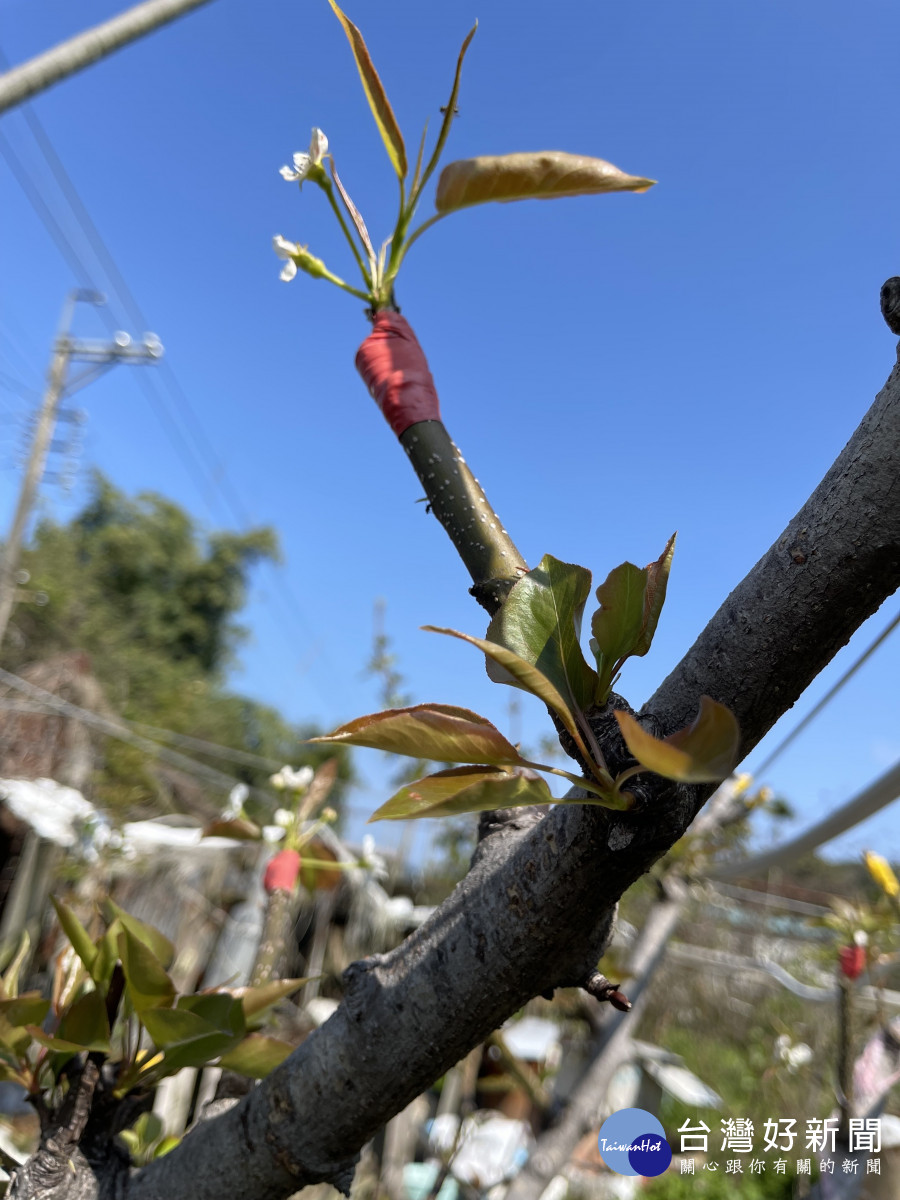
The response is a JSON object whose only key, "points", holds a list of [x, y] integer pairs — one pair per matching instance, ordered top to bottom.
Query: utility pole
{"points": [[85, 48], [66, 349]]}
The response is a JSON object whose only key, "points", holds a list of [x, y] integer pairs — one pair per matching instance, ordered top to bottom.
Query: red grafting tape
{"points": [[395, 370], [282, 871]]}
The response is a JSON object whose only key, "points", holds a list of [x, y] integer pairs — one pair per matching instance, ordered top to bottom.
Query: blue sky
{"points": [[614, 368]]}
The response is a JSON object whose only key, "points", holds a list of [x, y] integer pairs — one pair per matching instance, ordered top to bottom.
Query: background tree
{"points": [[154, 602]]}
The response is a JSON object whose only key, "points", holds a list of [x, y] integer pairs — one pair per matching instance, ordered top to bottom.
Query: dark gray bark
{"points": [[536, 909]]}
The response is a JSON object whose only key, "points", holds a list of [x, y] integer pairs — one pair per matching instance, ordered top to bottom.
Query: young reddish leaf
{"points": [[375, 94], [449, 114], [541, 175], [655, 596], [631, 601], [541, 622], [616, 625], [527, 676], [437, 731], [704, 752], [462, 790], [239, 829], [81, 940], [157, 942], [148, 984], [86, 1023], [256, 1056]]}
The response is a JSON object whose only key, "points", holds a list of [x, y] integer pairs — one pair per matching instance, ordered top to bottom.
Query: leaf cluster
{"points": [[541, 175], [533, 643], [113, 996]]}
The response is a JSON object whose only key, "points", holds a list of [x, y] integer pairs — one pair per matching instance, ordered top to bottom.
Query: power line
{"points": [[190, 458], [829, 696], [120, 731], [213, 749]]}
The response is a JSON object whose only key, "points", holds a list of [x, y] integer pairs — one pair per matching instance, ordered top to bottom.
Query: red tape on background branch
{"points": [[395, 370], [282, 871]]}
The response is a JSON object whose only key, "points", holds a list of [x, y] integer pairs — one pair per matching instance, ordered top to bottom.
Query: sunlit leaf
{"points": [[375, 94], [541, 175], [541, 622], [528, 676], [440, 732], [704, 752], [462, 790], [239, 829], [81, 940], [157, 942], [107, 955], [11, 974], [148, 984], [256, 1000], [28, 1009], [86, 1023], [256, 1056]]}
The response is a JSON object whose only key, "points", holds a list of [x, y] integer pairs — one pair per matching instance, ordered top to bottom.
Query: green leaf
{"points": [[375, 94], [541, 175], [631, 601], [541, 622], [527, 676], [440, 732], [704, 752], [462, 790], [238, 829], [81, 940], [157, 942], [107, 955], [148, 984], [256, 1000], [28, 1009], [223, 1011], [86, 1023], [172, 1026], [196, 1031], [14, 1039], [53, 1043], [256, 1056], [167, 1144]]}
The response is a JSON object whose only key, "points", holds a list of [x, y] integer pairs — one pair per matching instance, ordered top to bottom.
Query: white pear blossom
{"points": [[303, 163], [286, 250], [290, 780], [236, 798], [283, 817], [371, 861], [792, 1054]]}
